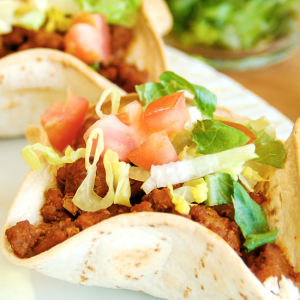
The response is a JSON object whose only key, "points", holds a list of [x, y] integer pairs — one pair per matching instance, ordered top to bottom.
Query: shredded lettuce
{"points": [[121, 12], [51, 15], [32, 20], [57, 21], [170, 83], [115, 98], [213, 136], [32, 159], [229, 161], [138, 174], [117, 178], [121, 178], [193, 191], [85, 197], [181, 205]]}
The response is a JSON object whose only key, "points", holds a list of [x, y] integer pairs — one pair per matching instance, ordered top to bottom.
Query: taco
{"points": [[117, 39], [161, 199]]}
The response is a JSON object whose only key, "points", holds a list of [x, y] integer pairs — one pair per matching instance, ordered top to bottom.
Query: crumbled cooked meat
{"points": [[21, 39], [120, 40], [124, 75], [79, 142], [259, 197], [160, 199], [69, 205], [143, 206], [53, 209], [117, 209], [225, 210], [89, 219], [226, 229], [57, 233], [22, 238], [271, 262]]}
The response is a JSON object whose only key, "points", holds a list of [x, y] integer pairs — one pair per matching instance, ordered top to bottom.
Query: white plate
{"points": [[19, 283]]}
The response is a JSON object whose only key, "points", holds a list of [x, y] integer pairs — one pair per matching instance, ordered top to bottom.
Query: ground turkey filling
{"points": [[115, 69], [62, 220]]}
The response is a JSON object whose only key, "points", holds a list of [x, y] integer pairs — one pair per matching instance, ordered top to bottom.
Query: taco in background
{"points": [[115, 38], [183, 220]]}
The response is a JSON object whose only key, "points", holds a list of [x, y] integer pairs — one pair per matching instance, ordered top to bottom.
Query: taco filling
{"points": [[97, 33], [161, 155]]}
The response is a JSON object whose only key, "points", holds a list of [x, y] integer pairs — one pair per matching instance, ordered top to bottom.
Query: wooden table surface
{"points": [[278, 84]]}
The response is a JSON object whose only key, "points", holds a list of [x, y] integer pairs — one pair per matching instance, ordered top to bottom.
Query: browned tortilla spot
{"points": [[38, 59], [22, 68], [1, 78], [273, 212], [202, 263], [138, 265], [91, 268], [196, 273], [215, 277], [83, 278], [202, 287], [186, 292], [243, 296]]}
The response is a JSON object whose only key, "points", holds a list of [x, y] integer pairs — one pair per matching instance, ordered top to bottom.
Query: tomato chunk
{"points": [[89, 38], [168, 113], [132, 115], [62, 121], [242, 128], [117, 136], [156, 150]]}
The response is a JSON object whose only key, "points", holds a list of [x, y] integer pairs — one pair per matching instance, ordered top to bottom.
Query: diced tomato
{"points": [[89, 38], [168, 113], [132, 115], [62, 121], [242, 128], [117, 136], [156, 150]]}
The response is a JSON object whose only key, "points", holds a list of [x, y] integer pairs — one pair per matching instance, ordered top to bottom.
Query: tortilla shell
{"points": [[159, 14], [32, 79], [283, 211], [163, 255]]}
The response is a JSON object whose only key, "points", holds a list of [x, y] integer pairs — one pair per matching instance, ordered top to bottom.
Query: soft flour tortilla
{"points": [[32, 79], [284, 210], [160, 254]]}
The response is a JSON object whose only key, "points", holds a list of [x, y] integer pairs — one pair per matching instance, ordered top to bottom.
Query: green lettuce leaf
{"points": [[121, 12], [170, 83], [213, 136], [270, 151], [220, 189], [251, 219], [256, 240]]}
